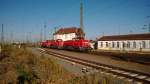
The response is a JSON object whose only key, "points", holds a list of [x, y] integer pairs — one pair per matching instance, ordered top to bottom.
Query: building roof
{"points": [[67, 30], [145, 36]]}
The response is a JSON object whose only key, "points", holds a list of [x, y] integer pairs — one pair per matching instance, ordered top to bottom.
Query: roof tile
{"points": [[145, 36]]}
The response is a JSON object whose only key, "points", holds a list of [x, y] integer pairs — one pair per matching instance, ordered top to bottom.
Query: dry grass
{"points": [[21, 66], [87, 79]]}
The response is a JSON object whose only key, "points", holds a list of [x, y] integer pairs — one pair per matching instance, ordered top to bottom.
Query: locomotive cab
{"points": [[59, 43], [84, 45]]}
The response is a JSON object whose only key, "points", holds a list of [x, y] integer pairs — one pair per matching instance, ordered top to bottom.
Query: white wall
{"points": [[65, 37], [139, 45]]}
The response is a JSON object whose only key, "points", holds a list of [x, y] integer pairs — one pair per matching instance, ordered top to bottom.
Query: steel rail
{"points": [[135, 75]]}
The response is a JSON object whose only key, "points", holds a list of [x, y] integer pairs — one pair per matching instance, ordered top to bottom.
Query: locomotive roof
{"points": [[67, 30], [145, 36]]}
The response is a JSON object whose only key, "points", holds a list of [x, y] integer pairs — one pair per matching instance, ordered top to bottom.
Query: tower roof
{"points": [[67, 30]]}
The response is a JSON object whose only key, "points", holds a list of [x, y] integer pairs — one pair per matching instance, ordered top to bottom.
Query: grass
{"points": [[20, 66], [88, 79]]}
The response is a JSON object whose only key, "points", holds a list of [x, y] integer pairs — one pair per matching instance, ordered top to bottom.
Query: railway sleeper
{"points": [[108, 70]]}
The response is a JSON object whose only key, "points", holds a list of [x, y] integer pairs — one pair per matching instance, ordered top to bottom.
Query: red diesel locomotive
{"points": [[46, 43], [75, 44]]}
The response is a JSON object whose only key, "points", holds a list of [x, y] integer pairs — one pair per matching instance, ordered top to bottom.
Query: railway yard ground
{"points": [[130, 56], [134, 56], [103, 59], [42, 65], [70, 66]]}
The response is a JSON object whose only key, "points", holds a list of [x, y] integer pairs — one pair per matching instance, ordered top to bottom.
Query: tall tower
{"points": [[81, 15], [81, 32]]}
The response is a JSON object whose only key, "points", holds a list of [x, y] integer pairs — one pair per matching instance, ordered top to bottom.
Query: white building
{"points": [[66, 33], [131, 42]]}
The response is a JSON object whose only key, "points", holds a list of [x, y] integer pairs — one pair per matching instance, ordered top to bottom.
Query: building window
{"points": [[101, 44], [106, 44], [113, 44], [117, 44], [123, 44], [128, 44], [134, 44], [143, 44]]}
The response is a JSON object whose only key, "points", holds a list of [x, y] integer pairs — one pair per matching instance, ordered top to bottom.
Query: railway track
{"points": [[128, 57], [132, 57], [135, 75]]}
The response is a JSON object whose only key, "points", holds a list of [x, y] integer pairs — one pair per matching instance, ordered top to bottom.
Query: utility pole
{"points": [[148, 24], [44, 31], [41, 35], [12, 37], [27, 38], [30, 39], [2, 41]]}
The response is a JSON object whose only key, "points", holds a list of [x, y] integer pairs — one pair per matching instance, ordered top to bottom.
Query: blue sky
{"points": [[108, 17]]}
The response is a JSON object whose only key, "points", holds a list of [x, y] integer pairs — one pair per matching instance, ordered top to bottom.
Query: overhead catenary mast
{"points": [[44, 31], [2, 35], [41, 35], [12, 37], [2, 41]]}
